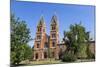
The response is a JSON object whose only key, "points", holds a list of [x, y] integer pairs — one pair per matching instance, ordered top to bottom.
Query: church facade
{"points": [[46, 46]]}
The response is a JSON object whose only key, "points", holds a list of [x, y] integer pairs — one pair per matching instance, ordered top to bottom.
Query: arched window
{"points": [[53, 27], [39, 29], [53, 35], [38, 37], [53, 44], [38, 45], [46, 45]]}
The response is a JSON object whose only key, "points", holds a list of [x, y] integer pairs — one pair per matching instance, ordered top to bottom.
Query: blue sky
{"points": [[66, 13]]}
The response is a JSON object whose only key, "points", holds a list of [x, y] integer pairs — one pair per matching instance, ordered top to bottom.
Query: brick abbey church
{"points": [[46, 44]]}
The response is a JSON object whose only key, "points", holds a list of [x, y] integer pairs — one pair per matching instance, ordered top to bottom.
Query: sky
{"points": [[67, 14]]}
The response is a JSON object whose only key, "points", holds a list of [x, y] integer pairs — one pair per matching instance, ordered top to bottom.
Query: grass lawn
{"points": [[51, 61], [41, 62], [46, 62]]}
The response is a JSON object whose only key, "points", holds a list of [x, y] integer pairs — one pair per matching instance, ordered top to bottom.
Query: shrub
{"points": [[91, 55], [69, 57]]}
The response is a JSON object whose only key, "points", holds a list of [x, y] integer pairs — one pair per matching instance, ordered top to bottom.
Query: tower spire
{"points": [[54, 18], [41, 22]]}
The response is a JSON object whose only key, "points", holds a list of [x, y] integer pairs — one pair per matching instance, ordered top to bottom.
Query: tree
{"points": [[20, 36], [77, 36], [28, 52], [49, 53], [90, 55], [69, 57]]}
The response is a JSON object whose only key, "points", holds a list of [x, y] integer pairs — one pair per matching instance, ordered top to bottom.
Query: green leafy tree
{"points": [[76, 36], [19, 39], [28, 52], [69, 57]]}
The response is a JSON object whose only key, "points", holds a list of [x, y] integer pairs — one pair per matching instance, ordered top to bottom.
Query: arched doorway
{"points": [[45, 54], [36, 56]]}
